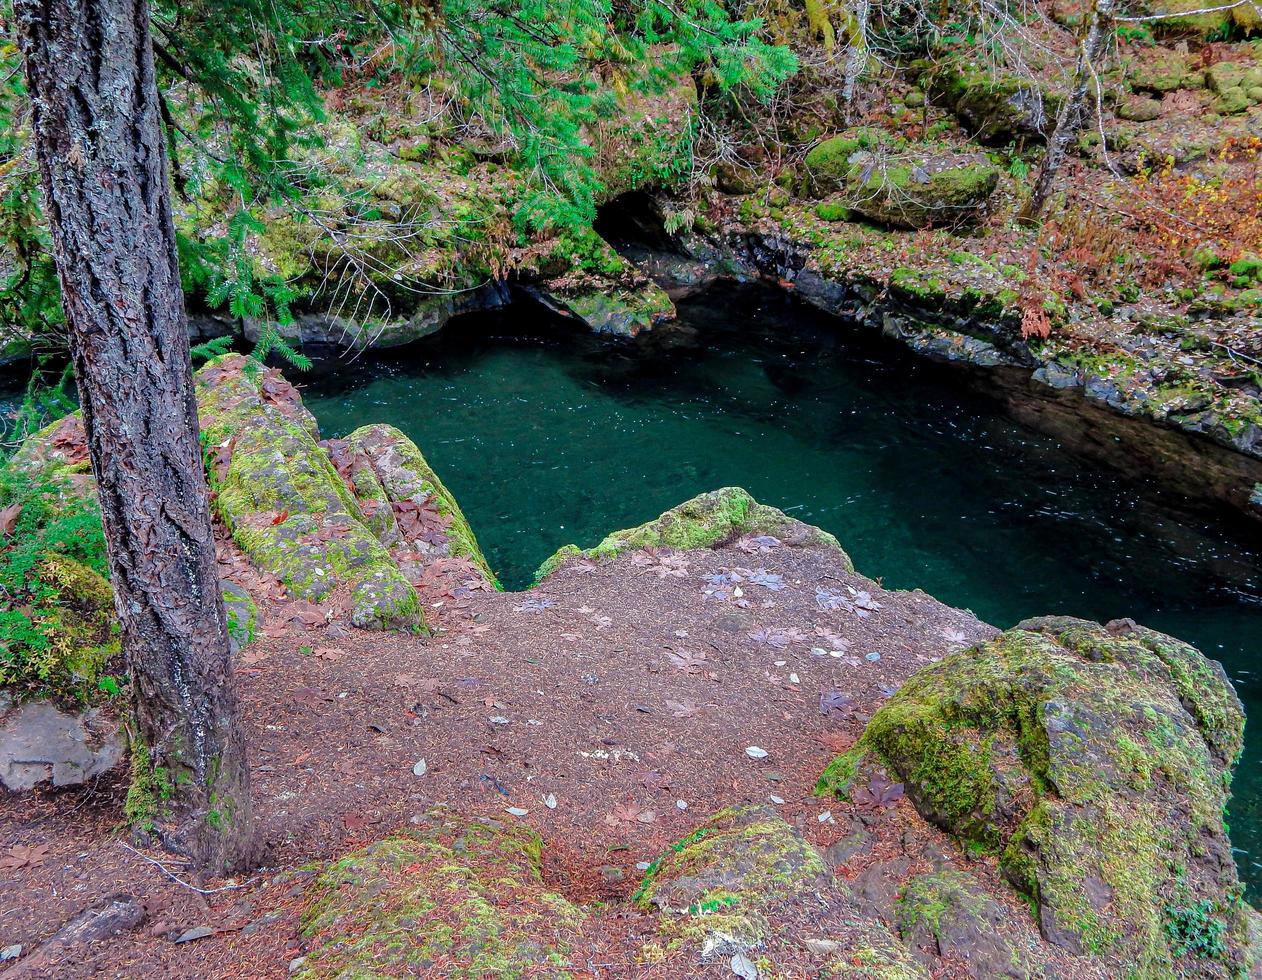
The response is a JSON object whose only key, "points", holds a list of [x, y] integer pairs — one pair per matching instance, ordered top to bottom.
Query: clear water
{"points": [[546, 437]]}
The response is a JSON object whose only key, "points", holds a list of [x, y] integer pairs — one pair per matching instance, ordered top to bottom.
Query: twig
{"points": [[177, 879]]}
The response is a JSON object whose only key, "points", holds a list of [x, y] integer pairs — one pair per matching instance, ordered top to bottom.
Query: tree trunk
{"points": [[95, 111], [1070, 118]]}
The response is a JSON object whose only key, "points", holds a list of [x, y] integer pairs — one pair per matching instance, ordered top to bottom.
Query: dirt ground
{"points": [[627, 693]]}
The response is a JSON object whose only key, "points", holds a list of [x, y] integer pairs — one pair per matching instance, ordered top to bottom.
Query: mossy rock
{"points": [[1177, 17], [1159, 70], [1232, 101], [996, 108], [1139, 109], [828, 164], [877, 177], [919, 190], [620, 311], [398, 472], [284, 502], [708, 520], [242, 616], [1093, 761], [739, 880], [458, 898], [948, 914]]}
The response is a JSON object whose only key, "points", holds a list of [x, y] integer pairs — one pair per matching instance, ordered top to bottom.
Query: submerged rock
{"points": [[284, 502], [706, 521], [1093, 761], [458, 898]]}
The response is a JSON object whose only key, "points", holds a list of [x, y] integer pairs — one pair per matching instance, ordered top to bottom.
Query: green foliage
{"points": [[244, 86], [56, 609], [1196, 930]]}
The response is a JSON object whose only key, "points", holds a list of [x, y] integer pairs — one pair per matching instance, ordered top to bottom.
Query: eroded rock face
{"points": [[706, 521], [41, 743], [1093, 762], [455, 898]]}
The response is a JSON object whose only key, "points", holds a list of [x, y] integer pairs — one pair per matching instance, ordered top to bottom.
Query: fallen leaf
{"points": [[9, 519], [754, 752], [23, 856]]}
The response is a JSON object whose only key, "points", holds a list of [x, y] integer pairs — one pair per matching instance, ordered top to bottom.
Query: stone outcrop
{"points": [[706, 521], [1093, 762]]}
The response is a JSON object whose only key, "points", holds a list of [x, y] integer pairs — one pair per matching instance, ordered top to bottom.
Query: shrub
{"points": [[57, 625]]}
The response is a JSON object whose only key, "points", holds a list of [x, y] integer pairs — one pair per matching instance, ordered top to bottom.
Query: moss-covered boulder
{"points": [[1184, 16], [996, 108], [828, 164], [902, 188], [396, 474], [285, 503], [708, 520], [1094, 762], [747, 880], [457, 898], [948, 914]]}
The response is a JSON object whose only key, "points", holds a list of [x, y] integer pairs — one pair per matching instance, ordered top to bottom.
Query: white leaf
{"points": [[754, 752], [421, 768], [550, 801], [778, 801], [681, 804], [517, 811], [825, 817], [744, 967]]}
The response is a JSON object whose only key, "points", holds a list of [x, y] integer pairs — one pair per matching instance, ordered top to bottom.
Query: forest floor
{"points": [[615, 704]]}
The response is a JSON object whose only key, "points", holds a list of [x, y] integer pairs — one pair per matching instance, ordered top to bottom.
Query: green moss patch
{"points": [[459, 898]]}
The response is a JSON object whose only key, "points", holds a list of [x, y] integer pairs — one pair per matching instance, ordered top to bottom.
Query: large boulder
{"points": [[902, 187], [283, 500], [706, 521], [1093, 762], [454, 898]]}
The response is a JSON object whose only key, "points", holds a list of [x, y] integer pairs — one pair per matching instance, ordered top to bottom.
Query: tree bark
{"points": [[95, 114], [1070, 118]]}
